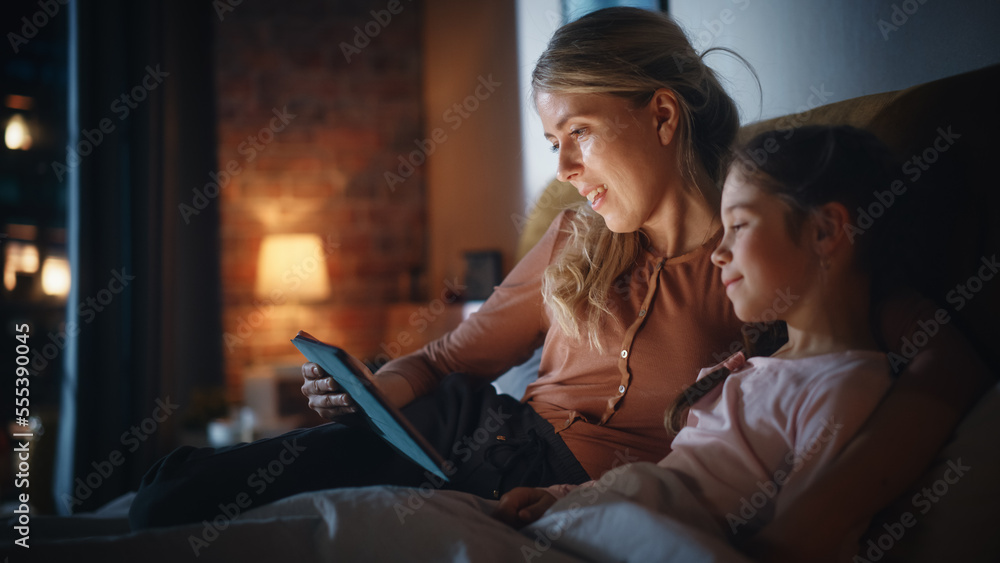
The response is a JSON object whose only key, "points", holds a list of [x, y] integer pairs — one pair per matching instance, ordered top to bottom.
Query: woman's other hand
{"points": [[522, 506]]}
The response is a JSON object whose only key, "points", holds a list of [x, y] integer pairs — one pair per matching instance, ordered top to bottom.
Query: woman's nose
{"points": [[570, 164]]}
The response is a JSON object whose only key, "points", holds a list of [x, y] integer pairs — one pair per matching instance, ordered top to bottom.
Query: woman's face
{"points": [[618, 157]]}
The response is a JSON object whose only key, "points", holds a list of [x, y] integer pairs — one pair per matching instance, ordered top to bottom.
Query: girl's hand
{"points": [[522, 506]]}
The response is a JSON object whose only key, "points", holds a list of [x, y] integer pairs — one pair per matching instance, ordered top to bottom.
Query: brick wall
{"points": [[356, 102]]}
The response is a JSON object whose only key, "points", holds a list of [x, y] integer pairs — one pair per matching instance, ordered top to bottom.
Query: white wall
{"points": [[537, 20], [818, 51], [471, 95]]}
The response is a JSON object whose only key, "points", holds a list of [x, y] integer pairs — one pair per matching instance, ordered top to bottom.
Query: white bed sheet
{"points": [[399, 524]]}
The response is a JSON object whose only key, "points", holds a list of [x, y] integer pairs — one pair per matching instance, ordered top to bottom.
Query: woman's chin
{"points": [[612, 225], [616, 225]]}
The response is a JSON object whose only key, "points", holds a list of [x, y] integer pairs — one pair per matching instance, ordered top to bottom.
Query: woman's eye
{"points": [[574, 133], [737, 227]]}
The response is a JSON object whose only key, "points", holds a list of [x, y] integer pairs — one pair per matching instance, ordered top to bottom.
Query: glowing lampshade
{"points": [[295, 265], [55, 276]]}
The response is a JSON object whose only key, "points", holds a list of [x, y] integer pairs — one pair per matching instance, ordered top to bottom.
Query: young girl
{"points": [[759, 429]]}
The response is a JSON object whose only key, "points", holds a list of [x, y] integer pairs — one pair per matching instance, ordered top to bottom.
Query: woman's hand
{"points": [[325, 396], [332, 403], [522, 506]]}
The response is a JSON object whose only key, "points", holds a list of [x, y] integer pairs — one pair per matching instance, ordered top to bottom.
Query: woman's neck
{"points": [[688, 219]]}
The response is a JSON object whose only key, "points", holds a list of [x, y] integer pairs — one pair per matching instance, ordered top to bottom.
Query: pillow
{"points": [[515, 380], [953, 512]]}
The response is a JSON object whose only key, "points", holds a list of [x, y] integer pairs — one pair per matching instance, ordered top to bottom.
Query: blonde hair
{"points": [[629, 53]]}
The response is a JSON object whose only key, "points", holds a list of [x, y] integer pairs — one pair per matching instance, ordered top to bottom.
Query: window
{"points": [[573, 9], [33, 117]]}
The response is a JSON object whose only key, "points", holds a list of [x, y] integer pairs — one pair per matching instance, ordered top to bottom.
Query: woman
{"points": [[624, 282], [623, 296]]}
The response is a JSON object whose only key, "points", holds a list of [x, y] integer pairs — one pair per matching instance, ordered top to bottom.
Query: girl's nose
{"points": [[721, 255]]}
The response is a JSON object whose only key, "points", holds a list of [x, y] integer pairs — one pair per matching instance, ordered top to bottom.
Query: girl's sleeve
{"points": [[504, 333], [828, 418]]}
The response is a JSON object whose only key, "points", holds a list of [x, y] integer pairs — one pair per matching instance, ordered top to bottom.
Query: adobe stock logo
{"points": [[223, 7], [899, 16], [30, 27], [363, 35], [122, 107], [455, 115], [249, 149], [914, 167], [131, 439], [259, 481], [923, 501]]}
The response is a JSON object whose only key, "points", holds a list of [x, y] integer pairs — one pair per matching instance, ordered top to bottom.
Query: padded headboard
{"points": [[947, 131]]}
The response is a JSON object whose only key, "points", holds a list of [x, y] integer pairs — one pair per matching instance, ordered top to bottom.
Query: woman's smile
{"points": [[596, 196]]}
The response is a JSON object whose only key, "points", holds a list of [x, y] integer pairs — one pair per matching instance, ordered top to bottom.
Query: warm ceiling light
{"points": [[16, 135]]}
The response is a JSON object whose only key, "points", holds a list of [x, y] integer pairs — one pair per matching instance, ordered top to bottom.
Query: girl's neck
{"points": [[834, 319]]}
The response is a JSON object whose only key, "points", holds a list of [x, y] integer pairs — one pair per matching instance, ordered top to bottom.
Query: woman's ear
{"points": [[666, 111], [831, 221]]}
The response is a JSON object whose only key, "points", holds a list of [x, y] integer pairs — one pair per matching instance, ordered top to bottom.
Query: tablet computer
{"points": [[385, 419]]}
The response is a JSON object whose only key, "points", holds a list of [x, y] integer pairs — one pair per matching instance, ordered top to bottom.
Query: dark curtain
{"points": [[146, 294]]}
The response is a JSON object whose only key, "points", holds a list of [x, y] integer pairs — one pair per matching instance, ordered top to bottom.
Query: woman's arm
{"points": [[504, 333], [893, 448]]}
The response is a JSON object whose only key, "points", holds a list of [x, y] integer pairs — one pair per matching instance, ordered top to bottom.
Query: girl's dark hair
{"points": [[811, 166], [807, 168]]}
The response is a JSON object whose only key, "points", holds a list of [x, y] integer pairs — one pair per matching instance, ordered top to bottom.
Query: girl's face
{"points": [[613, 155], [764, 270]]}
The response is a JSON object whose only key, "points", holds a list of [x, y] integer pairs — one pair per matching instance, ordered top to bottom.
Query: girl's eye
{"points": [[554, 148], [737, 227]]}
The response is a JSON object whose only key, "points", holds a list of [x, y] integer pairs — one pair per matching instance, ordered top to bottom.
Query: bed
{"points": [[952, 508], [949, 515]]}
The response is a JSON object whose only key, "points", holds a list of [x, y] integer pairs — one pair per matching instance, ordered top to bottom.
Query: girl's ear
{"points": [[666, 110], [831, 221]]}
